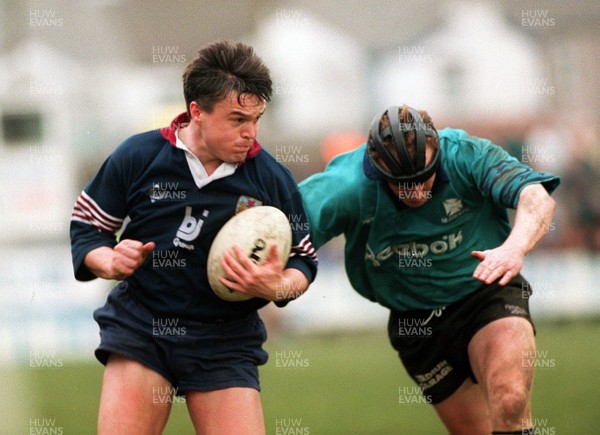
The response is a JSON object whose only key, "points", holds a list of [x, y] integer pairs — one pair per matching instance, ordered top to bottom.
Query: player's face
{"points": [[228, 132], [414, 195]]}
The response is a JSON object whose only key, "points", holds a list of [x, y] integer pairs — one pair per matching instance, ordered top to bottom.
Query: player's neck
{"points": [[196, 145]]}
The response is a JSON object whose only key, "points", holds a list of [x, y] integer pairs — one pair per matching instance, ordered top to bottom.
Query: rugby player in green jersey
{"points": [[427, 235]]}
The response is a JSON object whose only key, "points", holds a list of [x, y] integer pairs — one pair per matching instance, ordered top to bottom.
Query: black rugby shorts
{"points": [[432, 344]]}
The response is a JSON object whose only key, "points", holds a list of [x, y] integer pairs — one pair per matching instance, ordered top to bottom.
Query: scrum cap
{"points": [[403, 169]]}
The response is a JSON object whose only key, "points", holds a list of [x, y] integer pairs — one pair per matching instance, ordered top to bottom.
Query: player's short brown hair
{"points": [[221, 68]]}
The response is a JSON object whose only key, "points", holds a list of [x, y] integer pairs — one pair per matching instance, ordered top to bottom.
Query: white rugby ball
{"points": [[254, 230]]}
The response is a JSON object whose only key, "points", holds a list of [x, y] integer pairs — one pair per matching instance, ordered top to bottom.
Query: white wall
{"points": [[498, 67]]}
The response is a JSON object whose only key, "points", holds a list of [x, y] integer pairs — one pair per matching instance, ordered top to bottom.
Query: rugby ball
{"points": [[254, 230]]}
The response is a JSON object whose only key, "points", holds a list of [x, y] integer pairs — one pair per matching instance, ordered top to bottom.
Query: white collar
{"points": [[201, 177]]}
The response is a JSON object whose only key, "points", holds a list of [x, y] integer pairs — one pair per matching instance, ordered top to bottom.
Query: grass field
{"points": [[334, 384]]}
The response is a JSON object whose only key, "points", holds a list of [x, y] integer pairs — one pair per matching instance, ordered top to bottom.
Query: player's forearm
{"points": [[533, 218], [100, 262], [120, 262], [294, 283]]}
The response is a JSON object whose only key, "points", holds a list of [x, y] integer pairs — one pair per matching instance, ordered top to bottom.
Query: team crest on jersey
{"points": [[245, 202], [454, 208]]}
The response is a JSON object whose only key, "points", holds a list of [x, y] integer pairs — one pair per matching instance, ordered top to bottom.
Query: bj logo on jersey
{"points": [[189, 229]]}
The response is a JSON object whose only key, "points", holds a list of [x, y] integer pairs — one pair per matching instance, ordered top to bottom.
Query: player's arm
{"points": [[534, 212], [98, 215], [533, 218], [118, 262], [278, 280], [268, 281]]}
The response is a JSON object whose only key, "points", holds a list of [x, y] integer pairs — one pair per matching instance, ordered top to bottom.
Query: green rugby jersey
{"points": [[419, 258]]}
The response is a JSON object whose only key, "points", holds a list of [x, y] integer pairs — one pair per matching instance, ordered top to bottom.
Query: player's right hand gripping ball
{"points": [[254, 230]]}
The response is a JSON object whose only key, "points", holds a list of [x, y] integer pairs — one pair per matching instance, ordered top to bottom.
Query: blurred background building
{"points": [[78, 80]]}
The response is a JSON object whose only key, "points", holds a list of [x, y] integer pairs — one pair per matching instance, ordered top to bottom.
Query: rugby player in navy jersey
{"points": [[424, 214], [163, 330]]}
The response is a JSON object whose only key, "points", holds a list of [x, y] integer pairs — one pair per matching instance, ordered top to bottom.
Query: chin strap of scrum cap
{"points": [[402, 170]]}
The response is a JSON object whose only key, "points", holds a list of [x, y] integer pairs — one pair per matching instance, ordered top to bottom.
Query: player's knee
{"points": [[510, 402]]}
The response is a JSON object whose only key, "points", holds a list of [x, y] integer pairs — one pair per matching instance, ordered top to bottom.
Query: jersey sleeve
{"points": [[496, 174], [328, 200], [99, 212], [303, 255]]}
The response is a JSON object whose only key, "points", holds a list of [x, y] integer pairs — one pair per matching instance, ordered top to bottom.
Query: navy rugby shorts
{"points": [[432, 344], [192, 356]]}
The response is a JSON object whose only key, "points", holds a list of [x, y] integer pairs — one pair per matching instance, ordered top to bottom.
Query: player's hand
{"points": [[128, 256], [503, 262], [264, 281]]}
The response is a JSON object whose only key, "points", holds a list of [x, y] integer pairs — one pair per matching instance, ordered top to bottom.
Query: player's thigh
{"points": [[502, 356], [134, 399], [228, 411], [465, 411]]}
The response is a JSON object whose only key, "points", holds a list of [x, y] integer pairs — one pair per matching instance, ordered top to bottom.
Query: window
{"points": [[22, 128]]}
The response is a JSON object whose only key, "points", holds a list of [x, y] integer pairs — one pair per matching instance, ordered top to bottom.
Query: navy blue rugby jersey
{"points": [[147, 184]]}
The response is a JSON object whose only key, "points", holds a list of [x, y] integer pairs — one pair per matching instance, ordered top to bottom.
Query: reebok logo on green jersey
{"points": [[415, 249]]}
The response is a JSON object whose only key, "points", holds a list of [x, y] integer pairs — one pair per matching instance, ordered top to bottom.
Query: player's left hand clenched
{"points": [[504, 263], [263, 281]]}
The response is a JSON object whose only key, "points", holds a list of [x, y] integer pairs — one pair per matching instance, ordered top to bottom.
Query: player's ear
{"points": [[196, 111]]}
